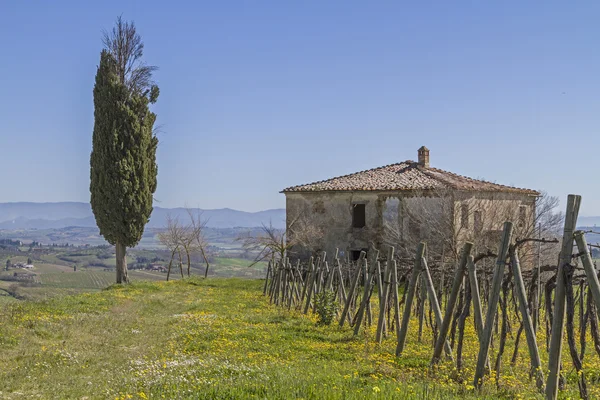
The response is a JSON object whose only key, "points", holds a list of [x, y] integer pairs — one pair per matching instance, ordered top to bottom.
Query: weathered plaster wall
{"points": [[495, 209], [332, 212], [391, 217], [388, 218]]}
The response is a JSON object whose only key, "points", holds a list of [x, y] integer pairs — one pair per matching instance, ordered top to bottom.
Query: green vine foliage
{"points": [[326, 307]]}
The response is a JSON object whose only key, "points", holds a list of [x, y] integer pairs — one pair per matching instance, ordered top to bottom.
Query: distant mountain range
{"points": [[24, 215]]}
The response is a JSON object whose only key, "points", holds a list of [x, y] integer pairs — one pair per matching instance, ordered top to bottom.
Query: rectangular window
{"points": [[464, 216], [522, 216], [359, 218], [477, 222]]}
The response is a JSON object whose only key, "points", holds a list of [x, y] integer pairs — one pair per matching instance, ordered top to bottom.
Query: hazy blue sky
{"points": [[257, 96]]}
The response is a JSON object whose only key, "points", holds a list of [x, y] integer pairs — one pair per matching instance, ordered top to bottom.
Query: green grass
{"points": [[237, 267], [55, 276], [55, 280], [216, 339]]}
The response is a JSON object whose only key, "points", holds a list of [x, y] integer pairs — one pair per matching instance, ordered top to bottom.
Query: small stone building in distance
{"points": [[405, 203]]}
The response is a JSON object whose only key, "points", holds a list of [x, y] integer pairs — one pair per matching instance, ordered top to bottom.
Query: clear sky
{"points": [[257, 96]]}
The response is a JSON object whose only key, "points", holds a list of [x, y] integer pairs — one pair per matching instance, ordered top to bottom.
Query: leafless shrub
{"points": [[302, 235]]}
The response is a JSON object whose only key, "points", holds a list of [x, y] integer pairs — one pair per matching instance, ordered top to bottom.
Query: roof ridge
{"points": [[426, 170], [347, 175], [404, 175], [472, 179]]}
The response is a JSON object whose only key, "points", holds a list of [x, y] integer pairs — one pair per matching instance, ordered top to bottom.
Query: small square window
{"points": [[359, 218]]}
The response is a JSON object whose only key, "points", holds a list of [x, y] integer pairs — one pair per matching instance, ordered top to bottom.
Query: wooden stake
{"points": [[588, 265], [310, 269], [267, 278], [310, 283], [456, 284], [352, 288], [475, 294], [395, 296], [409, 298], [383, 299], [366, 300], [434, 304], [558, 322], [484, 343], [534, 354]]}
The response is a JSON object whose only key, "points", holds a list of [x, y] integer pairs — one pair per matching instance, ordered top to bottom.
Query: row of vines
{"points": [[382, 291]]}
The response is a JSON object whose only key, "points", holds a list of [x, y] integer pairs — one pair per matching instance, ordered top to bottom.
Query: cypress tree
{"points": [[123, 160]]}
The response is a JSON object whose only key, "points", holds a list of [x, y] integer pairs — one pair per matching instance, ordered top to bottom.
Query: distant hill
{"points": [[24, 215]]}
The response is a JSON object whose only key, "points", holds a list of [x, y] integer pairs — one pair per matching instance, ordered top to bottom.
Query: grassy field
{"points": [[54, 274], [220, 339]]}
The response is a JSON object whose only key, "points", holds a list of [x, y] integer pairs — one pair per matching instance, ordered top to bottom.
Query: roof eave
{"points": [[529, 192]]}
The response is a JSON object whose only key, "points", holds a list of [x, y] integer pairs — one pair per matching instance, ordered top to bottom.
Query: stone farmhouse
{"points": [[404, 203]]}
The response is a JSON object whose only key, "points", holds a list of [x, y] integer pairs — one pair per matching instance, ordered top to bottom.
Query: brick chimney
{"points": [[424, 157]]}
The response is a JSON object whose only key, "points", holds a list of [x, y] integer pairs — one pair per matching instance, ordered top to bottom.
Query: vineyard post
{"points": [[588, 265], [310, 268], [442, 269], [321, 271], [472, 271], [267, 278], [285, 279], [538, 282], [310, 283], [275, 284], [456, 284], [341, 287], [352, 288], [395, 296], [409, 298], [422, 298], [383, 299], [476, 299], [366, 300], [434, 304], [558, 322], [486, 338], [534, 353]]}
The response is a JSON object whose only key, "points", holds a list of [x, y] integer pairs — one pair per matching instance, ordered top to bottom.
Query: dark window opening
{"points": [[464, 216], [522, 216], [359, 218], [477, 221], [355, 254]]}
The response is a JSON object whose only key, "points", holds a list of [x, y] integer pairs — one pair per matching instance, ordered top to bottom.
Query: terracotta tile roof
{"points": [[407, 175]]}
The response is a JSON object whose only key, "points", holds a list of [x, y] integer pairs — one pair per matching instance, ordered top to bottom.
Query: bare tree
{"points": [[127, 48], [446, 219], [302, 234], [188, 238], [197, 238], [172, 239], [270, 243]]}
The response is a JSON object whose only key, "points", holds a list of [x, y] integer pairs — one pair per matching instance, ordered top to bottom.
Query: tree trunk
{"points": [[121, 253], [206, 261], [189, 262], [170, 264], [181, 264]]}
